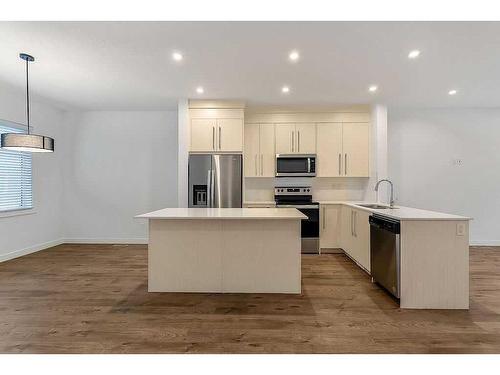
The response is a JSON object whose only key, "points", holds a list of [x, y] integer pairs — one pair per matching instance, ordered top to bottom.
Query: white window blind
{"points": [[15, 176]]}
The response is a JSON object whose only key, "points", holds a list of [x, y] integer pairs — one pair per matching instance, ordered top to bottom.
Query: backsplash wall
{"points": [[324, 189]]}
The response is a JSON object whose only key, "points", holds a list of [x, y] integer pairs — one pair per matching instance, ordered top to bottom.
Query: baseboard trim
{"points": [[131, 241], [485, 243], [30, 250]]}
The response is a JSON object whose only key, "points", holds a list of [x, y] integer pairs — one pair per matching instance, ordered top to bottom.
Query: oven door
{"points": [[295, 165], [309, 228]]}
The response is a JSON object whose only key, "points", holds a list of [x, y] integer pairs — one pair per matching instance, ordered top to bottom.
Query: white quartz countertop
{"points": [[260, 202], [401, 212], [225, 213]]}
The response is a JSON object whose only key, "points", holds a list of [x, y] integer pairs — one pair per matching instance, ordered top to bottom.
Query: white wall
{"points": [[424, 146], [119, 164], [42, 227]]}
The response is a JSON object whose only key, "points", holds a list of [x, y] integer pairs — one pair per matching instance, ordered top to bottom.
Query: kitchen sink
{"points": [[376, 206]]}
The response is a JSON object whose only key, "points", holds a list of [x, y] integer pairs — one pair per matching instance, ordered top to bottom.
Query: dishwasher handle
{"points": [[385, 223]]}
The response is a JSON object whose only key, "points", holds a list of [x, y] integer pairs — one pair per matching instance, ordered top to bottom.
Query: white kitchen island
{"points": [[224, 250]]}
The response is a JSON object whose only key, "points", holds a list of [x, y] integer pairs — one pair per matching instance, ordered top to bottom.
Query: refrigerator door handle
{"points": [[209, 188], [216, 191]]}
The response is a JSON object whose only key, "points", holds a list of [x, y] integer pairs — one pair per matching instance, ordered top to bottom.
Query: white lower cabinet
{"points": [[330, 215], [355, 235], [361, 246]]}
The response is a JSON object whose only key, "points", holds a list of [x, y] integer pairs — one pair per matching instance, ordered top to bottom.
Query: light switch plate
{"points": [[460, 229]]}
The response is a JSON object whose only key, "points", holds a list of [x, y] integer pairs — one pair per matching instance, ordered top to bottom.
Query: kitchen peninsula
{"points": [[217, 250]]}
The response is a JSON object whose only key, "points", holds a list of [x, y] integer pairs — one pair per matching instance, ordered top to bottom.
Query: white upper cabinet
{"points": [[216, 126], [203, 135], [209, 135], [230, 135], [285, 138], [296, 138], [306, 138], [343, 149], [356, 149], [252, 150], [259, 150], [329, 150], [267, 152]]}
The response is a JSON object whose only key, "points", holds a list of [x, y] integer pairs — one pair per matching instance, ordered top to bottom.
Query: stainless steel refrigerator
{"points": [[215, 180]]}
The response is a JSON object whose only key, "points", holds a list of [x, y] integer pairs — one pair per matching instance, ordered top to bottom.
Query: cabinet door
{"points": [[203, 135], [229, 135], [285, 138], [305, 138], [356, 148], [329, 149], [251, 153], [267, 153], [330, 217], [346, 237], [361, 251]]}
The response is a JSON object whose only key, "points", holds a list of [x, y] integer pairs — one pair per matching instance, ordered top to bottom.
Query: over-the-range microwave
{"points": [[295, 165]]}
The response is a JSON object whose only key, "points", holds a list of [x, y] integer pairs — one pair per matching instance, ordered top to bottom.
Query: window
{"points": [[15, 175]]}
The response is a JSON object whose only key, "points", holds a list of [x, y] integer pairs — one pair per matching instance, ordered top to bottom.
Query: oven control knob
{"points": [[308, 190]]}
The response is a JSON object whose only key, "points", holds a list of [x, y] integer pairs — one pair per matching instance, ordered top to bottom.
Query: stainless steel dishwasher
{"points": [[385, 253]]}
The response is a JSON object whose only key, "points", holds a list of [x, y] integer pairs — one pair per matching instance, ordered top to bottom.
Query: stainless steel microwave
{"points": [[295, 165]]}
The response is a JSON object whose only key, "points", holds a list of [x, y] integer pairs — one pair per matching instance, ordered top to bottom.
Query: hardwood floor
{"points": [[93, 299]]}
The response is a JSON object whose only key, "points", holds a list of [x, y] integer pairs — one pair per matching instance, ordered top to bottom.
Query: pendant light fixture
{"points": [[27, 142]]}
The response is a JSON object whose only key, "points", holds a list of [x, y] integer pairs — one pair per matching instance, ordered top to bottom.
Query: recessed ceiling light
{"points": [[414, 54], [177, 56], [294, 56], [372, 88], [285, 89], [200, 90], [452, 92]]}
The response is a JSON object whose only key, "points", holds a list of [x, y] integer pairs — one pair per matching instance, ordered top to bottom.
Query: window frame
{"points": [[18, 211]]}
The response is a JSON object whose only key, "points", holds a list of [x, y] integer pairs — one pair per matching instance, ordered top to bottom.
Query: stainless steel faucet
{"points": [[391, 203]]}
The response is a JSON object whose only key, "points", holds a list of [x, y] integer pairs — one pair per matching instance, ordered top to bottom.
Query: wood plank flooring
{"points": [[94, 299]]}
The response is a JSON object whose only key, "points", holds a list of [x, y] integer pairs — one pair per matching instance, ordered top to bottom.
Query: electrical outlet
{"points": [[460, 229]]}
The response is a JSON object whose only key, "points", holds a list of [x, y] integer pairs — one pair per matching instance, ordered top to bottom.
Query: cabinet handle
{"points": [[213, 137], [298, 140], [293, 141], [220, 147], [340, 162], [256, 164], [261, 164], [345, 165], [324, 218], [354, 223]]}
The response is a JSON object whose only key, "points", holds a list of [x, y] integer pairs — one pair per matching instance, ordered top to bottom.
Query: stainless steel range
{"points": [[301, 199]]}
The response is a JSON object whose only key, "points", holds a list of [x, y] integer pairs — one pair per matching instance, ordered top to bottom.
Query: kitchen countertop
{"points": [[260, 202], [398, 212], [401, 212], [224, 213]]}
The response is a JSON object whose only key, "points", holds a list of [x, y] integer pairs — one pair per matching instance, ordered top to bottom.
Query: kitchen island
{"points": [[224, 250]]}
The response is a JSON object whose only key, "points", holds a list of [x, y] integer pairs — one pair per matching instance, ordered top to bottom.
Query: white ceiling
{"points": [[128, 65]]}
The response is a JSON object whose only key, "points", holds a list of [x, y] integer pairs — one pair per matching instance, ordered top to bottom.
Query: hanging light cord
{"points": [[27, 97]]}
